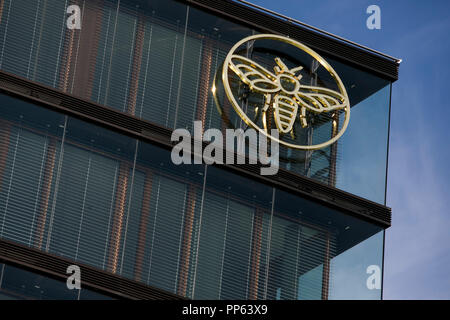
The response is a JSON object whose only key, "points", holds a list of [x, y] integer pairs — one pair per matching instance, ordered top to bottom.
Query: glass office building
{"points": [[86, 176]]}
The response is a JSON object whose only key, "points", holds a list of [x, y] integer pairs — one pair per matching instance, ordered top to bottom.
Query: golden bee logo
{"points": [[284, 92]]}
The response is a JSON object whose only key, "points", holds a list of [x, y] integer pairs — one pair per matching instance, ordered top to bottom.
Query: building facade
{"points": [[86, 176]]}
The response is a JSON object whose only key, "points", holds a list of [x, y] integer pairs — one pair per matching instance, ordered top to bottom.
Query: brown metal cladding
{"points": [[2, 3], [88, 44], [67, 59], [136, 65], [204, 83], [5, 136], [47, 179], [145, 216], [118, 217], [187, 241], [255, 255], [326, 269]]}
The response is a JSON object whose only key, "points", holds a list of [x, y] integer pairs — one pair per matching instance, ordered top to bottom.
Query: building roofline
{"points": [[295, 21], [324, 42]]}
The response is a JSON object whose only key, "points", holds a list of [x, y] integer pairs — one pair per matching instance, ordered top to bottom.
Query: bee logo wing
{"points": [[254, 75], [319, 99]]}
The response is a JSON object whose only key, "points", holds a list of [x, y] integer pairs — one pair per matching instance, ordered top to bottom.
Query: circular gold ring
{"points": [[312, 53]]}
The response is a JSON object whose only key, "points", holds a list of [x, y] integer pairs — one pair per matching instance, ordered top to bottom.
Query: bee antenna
{"points": [[281, 64], [297, 69]]}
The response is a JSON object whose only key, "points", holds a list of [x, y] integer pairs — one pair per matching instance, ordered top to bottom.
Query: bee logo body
{"points": [[284, 92], [285, 111]]}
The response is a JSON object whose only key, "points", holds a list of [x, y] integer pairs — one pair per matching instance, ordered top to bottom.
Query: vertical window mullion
{"points": [[58, 176], [10, 181], [130, 197], [83, 206], [199, 230], [269, 240], [224, 246]]}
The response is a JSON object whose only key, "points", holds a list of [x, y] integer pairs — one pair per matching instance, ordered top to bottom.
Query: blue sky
{"points": [[417, 254]]}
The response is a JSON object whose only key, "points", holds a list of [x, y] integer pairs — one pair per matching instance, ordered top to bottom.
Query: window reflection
{"points": [[362, 170], [233, 239], [309, 244], [351, 270], [20, 284], [25, 285]]}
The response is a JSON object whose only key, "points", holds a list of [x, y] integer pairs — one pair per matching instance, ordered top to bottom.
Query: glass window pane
{"points": [[29, 149], [362, 170], [166, 226], [314, 249], [232, 251], [357, 272], [19, 284], [86, 294]]}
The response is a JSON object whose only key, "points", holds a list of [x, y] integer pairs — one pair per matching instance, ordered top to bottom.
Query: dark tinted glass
{"points": [[157, 60], [92, 195], [232, 252], [312, 252], [19, 284]]}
